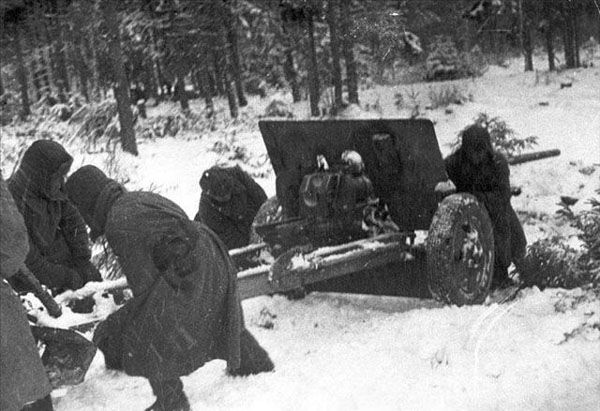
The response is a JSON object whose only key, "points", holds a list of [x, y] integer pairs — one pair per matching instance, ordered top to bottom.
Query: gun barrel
{"points": [[536, 155]]}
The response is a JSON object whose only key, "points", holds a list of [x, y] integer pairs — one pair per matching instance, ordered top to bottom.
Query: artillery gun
{"points": [[314, 233]]}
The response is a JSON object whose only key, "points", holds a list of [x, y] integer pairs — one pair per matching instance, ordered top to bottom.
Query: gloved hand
{"points": [[445, 187], [176, 252], [88, 271], [65, 278]]}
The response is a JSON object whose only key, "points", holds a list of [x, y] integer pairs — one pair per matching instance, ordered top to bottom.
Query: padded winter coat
{"points": [[489, 182], [229, 202], [57, 232], [185, 310], [22, 375]]}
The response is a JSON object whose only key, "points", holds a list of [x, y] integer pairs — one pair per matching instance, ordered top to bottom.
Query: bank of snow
{"points": [[541, 351]]}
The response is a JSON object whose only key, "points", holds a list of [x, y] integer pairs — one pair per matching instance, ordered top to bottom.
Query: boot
{"points": [[500, 278], [254, 358], [169, 396], [43, 404]]}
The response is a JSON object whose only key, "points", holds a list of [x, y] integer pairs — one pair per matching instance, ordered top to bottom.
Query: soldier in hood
{"points": [[477, 169], [229, 202], [59, 249], [185, 309]]}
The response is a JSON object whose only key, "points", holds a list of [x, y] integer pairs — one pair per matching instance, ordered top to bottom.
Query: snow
{"points": [[90, 289], [104, 305], [334, 352], [337, 352]]}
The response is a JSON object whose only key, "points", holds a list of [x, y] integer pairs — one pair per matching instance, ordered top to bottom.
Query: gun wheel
{"points": [[460, 251]]}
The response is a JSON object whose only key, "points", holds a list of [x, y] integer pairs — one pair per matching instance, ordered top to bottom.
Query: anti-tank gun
{"points": [[343, 229]]}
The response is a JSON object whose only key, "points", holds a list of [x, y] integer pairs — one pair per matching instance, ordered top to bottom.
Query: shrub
{"points": [[445, 62], [473, 63], [447, 94], [398, 100], [10, 107], [278, 108], [99, 125], [170, 125], [504, 138], [230, 149], [550, 262]]}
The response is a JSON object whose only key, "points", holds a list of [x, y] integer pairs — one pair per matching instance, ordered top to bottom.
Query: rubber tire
{"points": [[446, 269]]}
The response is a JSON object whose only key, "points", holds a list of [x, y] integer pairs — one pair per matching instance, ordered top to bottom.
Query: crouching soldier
{"points": [[477, 169], [229, 202], [59, 253], [185, 310], [23, 380]]}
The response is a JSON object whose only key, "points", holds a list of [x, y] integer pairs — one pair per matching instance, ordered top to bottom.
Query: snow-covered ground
{"points": [[333, 352], [338, 353]]}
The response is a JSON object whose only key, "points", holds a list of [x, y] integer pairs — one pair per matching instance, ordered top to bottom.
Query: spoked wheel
{"points": [[460, 251]]}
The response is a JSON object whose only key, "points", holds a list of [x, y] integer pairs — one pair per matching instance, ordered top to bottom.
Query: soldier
{"points": [[477, 169], [229, 202], [59, 250], [185, 309], [23, 379]]}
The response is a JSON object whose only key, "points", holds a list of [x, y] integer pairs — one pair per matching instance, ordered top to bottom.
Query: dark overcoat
{"points": [[489, 182], [229, 202], [57, 232], [175, 322], [22, 375]]}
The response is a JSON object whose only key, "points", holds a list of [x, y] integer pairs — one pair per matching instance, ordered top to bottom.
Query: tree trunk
{"points": [[575, 30], [467, 31], [568, 34], [549, 37], [40, 38], [30, 41], [526, 41], [568, 44], [60, 47], [528, 48], [550, 48], [348, 50], [234, 54], [91, 55], [289, 67], [218, 69], [313, 69], [336, 69], [83, 72], [224, 73], [21, 74], [156, 74], [61, 78], [150, 80], [196, 80], [211, 83], [1, 84], [120, 84], [37, 87], [207, 91], [180, 93], [231, 99]]}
